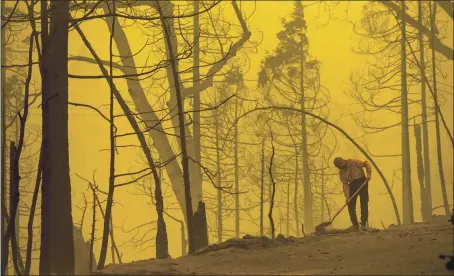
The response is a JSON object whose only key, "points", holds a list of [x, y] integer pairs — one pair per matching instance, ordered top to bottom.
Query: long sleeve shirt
{"points": [[353, 171]]}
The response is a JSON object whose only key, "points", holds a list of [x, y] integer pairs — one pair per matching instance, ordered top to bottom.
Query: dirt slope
{"points": [[411, 250]]}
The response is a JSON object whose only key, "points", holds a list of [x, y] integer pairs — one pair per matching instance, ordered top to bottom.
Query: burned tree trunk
{"points": [[433, 12], [3, 141], [185, 157], [420, 166], [262, 187], [407, 199], [13, 204], [427, 211], [270, 214], [93, 227], [200, 227], [57, 248]]}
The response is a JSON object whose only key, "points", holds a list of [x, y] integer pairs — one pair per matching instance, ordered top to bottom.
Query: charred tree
{"points": [[433, 12], [195, 84], [180, 106], [420, 167], [262, 186], [407, 199], [427, 211], [270, 213], [200, 227], [57, 248]]}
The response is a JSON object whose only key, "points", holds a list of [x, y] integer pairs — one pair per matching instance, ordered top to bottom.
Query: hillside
{"points": [[409, 250]]}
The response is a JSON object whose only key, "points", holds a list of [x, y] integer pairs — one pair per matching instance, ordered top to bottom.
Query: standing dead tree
{"points": [[185, 160], [270, 170], [57, 248], [163, 251]]}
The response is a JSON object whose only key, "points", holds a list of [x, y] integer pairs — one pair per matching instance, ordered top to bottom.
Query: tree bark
{"points": [[433, 12], [195, 83], [175, 87], [425, 129], [3, 139], [4, 148], [185, 159], [420, 167], [406, 170], [218, 172], [262, 187], [237, 190], [110, 192], [322, 199], [13, 206], [288, 209], [270, 213], [308, 219], [297, 221], [200, 225], [93, 227], [57, 248], [28, 260]]}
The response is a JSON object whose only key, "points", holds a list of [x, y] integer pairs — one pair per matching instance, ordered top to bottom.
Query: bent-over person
{"points": [[352, 176]]}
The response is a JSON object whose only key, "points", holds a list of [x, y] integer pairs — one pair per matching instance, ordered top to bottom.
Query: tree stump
{"points": [[200, 227]]}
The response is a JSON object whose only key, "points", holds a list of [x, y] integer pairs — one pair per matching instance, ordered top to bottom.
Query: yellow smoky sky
{"points": [[331, 39]]}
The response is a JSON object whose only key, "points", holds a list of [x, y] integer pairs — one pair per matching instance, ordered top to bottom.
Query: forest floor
{"points": [[403, 250]]}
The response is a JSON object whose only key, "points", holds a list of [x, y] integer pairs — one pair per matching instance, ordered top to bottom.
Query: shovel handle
{"points": [[338, 212]]}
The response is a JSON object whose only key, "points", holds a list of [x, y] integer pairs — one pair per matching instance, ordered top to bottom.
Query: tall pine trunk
{"points": [[433, 12], [196, 80], [182, 130], [3, 141], [420, 167], [218, 173], [273, 184], [262, 186], [110, 194], [237, 195], [322, 198], [295, 199], [407, 200], [288, 209], [427, 212], [308, 219], [57, 247]]}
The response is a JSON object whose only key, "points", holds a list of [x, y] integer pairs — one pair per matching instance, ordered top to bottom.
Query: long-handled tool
{"points": [[321, 227]]}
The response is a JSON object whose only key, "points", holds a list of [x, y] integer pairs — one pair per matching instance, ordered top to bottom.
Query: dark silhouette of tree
{"points": [[57, 248]]}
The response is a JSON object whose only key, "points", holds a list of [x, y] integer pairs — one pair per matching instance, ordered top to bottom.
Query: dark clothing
{"points": [[364, 199]]}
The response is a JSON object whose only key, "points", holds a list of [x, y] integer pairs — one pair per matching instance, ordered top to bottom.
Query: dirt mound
{"points": [[247, 242], [405, 250]]}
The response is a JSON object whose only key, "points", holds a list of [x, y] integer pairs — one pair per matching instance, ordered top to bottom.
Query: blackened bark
{"points": [[433, 13], [3, 154], [185, 159], [420, 167], [262, 187], [110, 194], [13, 203], [270, 213], [31, 218], [93, 227], [200, 227], [57, 247]]}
